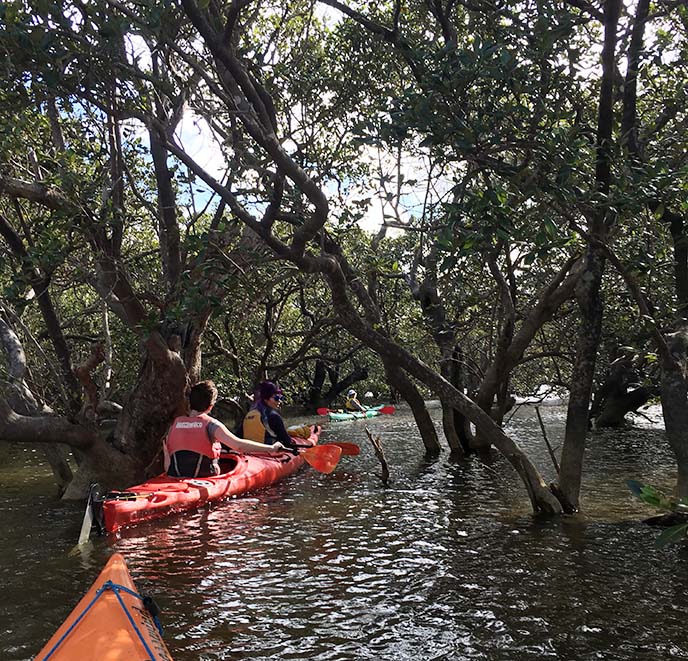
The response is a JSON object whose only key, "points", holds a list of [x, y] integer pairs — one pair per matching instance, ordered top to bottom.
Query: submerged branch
{"points": [[379, 453]]}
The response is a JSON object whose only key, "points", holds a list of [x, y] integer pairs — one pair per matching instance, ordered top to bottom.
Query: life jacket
{"points": [[351, 404], [256, 428], [300, 431], [195, 435]]}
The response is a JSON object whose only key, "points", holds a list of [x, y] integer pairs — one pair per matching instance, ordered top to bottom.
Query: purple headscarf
{"points": [[264, 391]]}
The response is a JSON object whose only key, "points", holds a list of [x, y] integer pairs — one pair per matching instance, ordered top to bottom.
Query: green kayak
{"points": [[354, 415]]}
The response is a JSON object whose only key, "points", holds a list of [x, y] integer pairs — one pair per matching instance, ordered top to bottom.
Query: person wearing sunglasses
{"points": [[263, 422]]}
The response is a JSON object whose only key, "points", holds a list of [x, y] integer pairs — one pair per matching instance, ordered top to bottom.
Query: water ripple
{"points": [[445, 564]]}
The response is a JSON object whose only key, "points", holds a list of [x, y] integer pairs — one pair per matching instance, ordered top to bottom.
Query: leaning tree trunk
{"points": [[401, 382], [540, 496]]}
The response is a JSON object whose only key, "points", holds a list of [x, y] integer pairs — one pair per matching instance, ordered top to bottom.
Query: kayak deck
{"points": [[164, 495], [110, 623]]}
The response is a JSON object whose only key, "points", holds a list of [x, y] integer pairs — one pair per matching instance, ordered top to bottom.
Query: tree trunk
{"points": [[168, 231], [40, 284], [588, 288], [560, 289], [444, 334], [401, 382], [315, 389], [674, 389], [619, 394], [157, 397], [23, 401], [617, 405], [577, 417], [457, 429], [540, 496]]}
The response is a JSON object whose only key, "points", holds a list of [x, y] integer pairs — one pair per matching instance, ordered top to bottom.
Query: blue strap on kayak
{"points": [[116, 588]]}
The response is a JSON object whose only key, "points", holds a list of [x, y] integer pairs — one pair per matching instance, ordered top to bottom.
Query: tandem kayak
{"points": [[354, 415], [164, 495], [110, 623]]}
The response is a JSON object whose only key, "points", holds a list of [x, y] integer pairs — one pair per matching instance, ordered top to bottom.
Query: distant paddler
{"points": [[352, 403]]}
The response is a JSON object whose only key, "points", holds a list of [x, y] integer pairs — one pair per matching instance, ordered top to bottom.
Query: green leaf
{"points": [[671, 535]]}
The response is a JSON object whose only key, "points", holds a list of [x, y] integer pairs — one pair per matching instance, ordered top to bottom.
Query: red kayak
{"points": [[163, 495]]}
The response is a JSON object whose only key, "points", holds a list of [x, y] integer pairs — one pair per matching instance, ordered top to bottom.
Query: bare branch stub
{"points": [[379, 453]]}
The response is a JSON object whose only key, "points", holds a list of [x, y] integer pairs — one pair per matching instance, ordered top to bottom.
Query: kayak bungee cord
{"points": [[116, 588]]}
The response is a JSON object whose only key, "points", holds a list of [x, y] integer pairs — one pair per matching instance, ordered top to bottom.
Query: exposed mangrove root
{"points": [[377, 447]]}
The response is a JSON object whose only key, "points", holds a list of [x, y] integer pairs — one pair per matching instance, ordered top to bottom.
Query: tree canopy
{"points": [[510, 154]]}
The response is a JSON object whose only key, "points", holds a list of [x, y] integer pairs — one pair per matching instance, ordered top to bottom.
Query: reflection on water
{"points": [[447, 563]]}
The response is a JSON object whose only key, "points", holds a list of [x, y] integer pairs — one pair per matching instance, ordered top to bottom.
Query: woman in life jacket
{"points": [[352, 403], [263, 422], [194, 442]]}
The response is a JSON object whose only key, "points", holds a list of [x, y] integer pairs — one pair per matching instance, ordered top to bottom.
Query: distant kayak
{"points": [[354, 415], [164, 495], [110, 623]]}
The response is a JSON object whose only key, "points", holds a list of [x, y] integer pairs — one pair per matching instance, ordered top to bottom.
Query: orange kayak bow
{"points": [[111, 622]]}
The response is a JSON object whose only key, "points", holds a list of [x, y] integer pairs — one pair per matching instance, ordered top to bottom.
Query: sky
{"points": [[196, 138]]}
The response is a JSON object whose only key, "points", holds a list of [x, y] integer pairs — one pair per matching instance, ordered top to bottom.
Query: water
{"points": [[446, 563]]}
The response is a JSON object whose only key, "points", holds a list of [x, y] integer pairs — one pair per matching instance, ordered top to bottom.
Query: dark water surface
{"points": [[447, 563]]}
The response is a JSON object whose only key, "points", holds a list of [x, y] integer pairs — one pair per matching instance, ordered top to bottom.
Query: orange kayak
{"points": [[110, 623]]}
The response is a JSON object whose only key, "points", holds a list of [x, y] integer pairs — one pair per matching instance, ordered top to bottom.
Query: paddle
{"points": [[385, 409], [348, 449], [323, 458], [94, 494], [86, 524]]}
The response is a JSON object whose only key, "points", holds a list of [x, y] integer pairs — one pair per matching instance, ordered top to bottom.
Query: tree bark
{"points": [[588, 287], [400, 381], [674, 395], [157, 397], [542, 499]]}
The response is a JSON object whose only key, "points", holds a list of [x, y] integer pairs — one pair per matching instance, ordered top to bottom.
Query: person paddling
{"points": [[352, 403], [263, 422], [194, 442]]}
